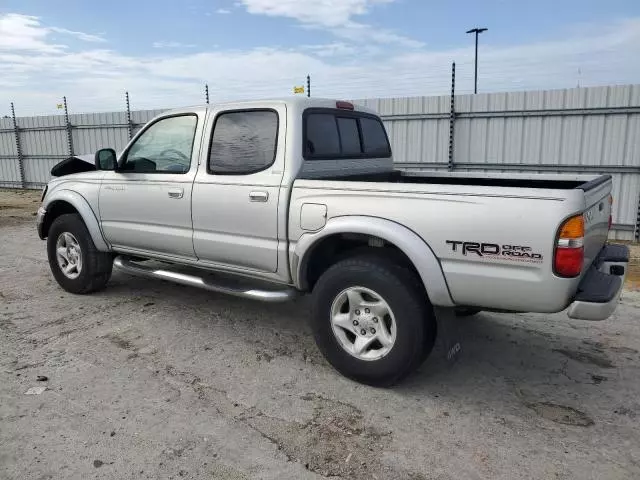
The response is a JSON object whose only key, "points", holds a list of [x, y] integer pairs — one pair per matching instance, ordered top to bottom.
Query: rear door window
{"points": [[243, 142]]}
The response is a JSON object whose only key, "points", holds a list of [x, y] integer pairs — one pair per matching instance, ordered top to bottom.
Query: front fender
{"points": [[84, 209], [414, 247]]}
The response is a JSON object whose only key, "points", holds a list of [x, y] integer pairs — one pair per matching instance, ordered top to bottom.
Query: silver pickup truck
{"points": [[270, 199]]}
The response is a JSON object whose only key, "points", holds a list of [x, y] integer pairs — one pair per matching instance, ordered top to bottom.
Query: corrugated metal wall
{"points": [[580, 130], [571, 131], [44, 141], [9, 166]]}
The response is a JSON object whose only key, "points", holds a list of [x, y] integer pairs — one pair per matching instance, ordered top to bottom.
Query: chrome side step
{"points": [[127, 265]]}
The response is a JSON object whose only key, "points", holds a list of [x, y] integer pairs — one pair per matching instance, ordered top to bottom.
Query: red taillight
{"points": [[569, 253], [569, 261]]}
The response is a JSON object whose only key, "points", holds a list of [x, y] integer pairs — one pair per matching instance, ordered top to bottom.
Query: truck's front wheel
{"points": [[76, 264], [371, 320]]}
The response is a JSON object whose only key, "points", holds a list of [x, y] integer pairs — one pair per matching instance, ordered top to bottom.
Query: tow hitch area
{"points": [[600, 289]]}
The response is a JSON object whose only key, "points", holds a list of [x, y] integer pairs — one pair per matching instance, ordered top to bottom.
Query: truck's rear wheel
{"points": [[74, 261], [371, 320]]}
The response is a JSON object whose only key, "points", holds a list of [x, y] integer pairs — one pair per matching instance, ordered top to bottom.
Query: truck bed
{"points": [[564, 182], [445, 209]]}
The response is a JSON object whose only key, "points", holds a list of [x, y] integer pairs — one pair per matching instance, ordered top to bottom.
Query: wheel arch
{"points": [[62, 202], [422, 259]]}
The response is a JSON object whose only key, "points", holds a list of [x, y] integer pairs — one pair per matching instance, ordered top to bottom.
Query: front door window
{"points": [[164, 147]]}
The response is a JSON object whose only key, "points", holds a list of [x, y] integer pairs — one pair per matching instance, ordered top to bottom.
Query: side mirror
{"points": [[106, 159]]}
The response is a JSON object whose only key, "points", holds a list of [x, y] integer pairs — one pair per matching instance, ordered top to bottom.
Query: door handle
{"points": [[176, 193], [259, 196]]}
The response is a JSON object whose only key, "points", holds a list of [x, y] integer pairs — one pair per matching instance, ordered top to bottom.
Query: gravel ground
{"points": [[152, 380]]}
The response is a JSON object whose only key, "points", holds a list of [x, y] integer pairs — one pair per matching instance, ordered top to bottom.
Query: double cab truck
{"points": [[268, 200]]}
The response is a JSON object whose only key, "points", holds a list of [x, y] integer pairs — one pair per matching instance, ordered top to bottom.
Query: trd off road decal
{"points": [[518, 253]]}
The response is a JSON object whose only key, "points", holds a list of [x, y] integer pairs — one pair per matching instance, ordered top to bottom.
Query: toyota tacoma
{"points": [[268, 200]]}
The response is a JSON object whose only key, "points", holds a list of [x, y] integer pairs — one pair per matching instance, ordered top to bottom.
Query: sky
{"points": [[164, 52]]}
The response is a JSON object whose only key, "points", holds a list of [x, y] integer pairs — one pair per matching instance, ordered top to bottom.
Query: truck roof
{"points": [[296, 102]]}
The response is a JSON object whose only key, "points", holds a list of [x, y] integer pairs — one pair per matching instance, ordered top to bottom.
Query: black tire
{"points": [[96, 266], [413, 313]]}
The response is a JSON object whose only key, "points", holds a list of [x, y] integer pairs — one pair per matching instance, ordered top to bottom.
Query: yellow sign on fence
{"points": [[298, 89], [60, 105]]}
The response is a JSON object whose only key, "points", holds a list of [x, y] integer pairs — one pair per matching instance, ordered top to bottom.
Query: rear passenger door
{"points": [[235, 195]]}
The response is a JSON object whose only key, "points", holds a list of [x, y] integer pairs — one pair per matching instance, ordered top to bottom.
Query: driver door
{"points": [[145, 206]]}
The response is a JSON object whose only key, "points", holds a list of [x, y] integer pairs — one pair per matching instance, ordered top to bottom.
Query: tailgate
{"points": [[597, 213]]}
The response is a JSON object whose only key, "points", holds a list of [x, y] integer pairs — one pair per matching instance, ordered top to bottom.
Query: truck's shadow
{"points": [[502, 354], [523, 359]]}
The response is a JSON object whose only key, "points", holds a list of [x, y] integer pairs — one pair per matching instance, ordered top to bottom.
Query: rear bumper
{"points": [[599, 290]]}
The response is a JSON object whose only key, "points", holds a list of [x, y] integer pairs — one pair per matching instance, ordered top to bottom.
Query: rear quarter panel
{"points": [[525, 220]]}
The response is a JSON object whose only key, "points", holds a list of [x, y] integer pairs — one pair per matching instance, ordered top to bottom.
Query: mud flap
{"points": [[449, 333]]}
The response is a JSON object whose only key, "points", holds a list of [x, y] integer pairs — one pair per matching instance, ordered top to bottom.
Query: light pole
{"points": [[477, 31]]}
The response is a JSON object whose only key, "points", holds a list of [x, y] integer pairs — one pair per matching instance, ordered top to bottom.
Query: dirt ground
{"points": [[18, 205], [152, 380]]}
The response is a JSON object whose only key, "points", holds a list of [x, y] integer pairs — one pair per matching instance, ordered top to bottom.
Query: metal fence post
{"points": [[308, 85], [206, 93], [452, 116], [129, 124], [68, 127], [16, 132], [637, 231]]}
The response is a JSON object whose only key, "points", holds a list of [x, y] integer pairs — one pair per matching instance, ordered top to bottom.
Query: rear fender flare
{"points": [[414, 247]]}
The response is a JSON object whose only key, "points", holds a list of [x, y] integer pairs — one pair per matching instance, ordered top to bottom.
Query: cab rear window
{"points": [[332, 134]]}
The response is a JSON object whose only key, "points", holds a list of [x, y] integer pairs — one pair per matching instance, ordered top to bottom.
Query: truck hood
{"points": [[72, 165], [91, 175]]}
